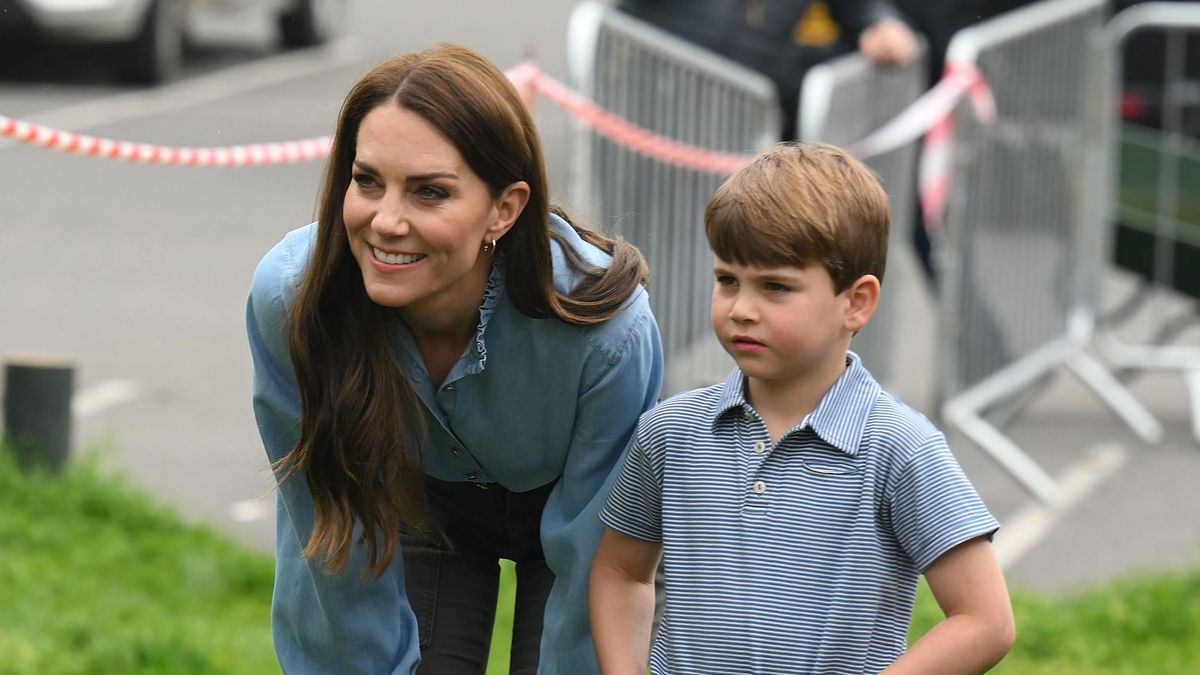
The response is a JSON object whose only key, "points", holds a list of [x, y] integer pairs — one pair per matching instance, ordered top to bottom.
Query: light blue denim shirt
{"points": [[529, 402]]}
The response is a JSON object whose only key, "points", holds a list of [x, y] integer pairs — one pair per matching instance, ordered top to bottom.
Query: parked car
{"points": [[147, 36]]}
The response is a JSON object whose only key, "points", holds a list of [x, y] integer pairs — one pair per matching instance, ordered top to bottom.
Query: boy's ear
{"points": [[863, 295]]}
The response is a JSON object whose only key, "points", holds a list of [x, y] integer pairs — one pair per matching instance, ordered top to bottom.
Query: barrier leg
{"points": [[1193, 382], [1116, 396], [37, 409], [1006, 453]]}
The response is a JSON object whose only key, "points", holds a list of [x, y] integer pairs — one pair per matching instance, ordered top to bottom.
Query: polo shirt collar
{"points": [[733, 395], [841, 416]]}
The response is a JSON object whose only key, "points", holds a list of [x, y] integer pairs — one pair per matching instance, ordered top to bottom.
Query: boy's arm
{"points": [[622, 602], [978, 629]]}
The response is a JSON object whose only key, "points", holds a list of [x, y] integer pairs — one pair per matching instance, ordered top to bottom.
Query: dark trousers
{"points": [[452, 584]]}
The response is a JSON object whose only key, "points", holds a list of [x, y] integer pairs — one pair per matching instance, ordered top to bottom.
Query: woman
{"points": [[446, 372]]}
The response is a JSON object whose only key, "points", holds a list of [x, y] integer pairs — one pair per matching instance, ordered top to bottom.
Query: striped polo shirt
{"points": [[800, 556]]}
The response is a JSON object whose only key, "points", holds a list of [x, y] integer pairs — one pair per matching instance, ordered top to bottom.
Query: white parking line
{"points": [[198, 90], [105, 395], [1025, 529]]}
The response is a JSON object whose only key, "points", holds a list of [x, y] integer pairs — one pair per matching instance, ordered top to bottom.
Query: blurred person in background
{"points": [[782, 39], [446, 373]]}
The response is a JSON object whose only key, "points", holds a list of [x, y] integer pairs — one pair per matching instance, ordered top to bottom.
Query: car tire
{"points": [[311, 22], [155, 55]]}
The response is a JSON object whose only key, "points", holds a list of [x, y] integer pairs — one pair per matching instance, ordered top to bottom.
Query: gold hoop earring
{"points": [[489, 248]]}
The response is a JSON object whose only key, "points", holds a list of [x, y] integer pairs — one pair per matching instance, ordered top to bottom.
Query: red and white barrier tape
{"points": [[928, 112], [635, 138], [238, 155], [934, 173]]}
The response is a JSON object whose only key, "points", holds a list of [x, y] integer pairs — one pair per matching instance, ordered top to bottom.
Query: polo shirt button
{"points": [[747, 415], [760, 447], [760, 487]]}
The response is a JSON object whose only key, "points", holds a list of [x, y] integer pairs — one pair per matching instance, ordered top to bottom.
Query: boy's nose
{"points": [[742, 310]]}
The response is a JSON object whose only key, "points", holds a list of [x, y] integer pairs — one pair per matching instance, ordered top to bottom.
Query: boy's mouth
{"points": [[746, 343]]}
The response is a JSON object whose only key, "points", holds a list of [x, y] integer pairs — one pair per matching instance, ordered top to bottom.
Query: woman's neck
{"points": [[443, 326]]}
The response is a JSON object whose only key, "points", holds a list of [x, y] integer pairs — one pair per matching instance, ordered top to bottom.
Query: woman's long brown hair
{"points": [[362, 426]]}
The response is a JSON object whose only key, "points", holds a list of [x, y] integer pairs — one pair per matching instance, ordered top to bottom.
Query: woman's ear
{"points": [[509, 206], [863, 297]]}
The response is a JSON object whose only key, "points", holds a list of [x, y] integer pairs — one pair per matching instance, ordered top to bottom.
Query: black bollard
{"points": [[37, 409]]}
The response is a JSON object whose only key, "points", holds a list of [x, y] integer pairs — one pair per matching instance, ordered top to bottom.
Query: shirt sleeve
{"points": [[607, 412], [933, 505], [635, 506], [321, 623]]}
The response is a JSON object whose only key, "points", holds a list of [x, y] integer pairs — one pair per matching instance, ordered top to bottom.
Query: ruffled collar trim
{"points": [[491, 298]]}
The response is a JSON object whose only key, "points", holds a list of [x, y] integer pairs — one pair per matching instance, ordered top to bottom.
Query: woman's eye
{"points": [[364, 180], [432, 192]]}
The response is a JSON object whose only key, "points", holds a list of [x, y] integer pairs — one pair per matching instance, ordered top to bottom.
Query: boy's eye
{"points": [[364, 180], [431, 192], [726, 280], [776, 287]]}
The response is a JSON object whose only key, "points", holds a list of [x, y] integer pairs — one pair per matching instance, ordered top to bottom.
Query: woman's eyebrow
{"points": [[432, 176]]}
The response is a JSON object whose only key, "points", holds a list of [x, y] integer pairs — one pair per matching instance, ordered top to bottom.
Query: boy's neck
{"points": [[785, 403]]}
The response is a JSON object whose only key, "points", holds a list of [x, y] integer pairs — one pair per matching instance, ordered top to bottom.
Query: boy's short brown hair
{"points": [[800, 203]]}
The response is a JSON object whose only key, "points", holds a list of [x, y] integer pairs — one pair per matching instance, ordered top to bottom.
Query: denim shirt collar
{"points": [[839, 419]]}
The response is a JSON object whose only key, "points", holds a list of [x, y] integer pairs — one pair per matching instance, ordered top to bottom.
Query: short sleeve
{"points": [[933, 506], [634, 507]]}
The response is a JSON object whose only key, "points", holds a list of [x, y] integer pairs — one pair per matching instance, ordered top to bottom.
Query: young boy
{"points": [[796, 504]]}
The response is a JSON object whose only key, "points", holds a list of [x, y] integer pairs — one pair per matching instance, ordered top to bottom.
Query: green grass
{"points": [[97, 578], [1141, 625]]}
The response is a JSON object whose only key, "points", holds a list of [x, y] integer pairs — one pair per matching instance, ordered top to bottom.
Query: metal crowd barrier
{"points": [[672, 87], [842, 101], [1155, 178], [1020, 248]]}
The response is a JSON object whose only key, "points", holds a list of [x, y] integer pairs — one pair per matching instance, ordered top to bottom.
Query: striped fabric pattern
{"points": [[796, 557]]}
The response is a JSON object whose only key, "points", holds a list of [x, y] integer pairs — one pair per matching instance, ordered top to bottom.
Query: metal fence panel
{"points": [[672, 87], [843, 101], [1015, 223], [1020, 247]]}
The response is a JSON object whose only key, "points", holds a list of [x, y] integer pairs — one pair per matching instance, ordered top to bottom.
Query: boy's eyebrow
{"points": [[774, 274]]}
